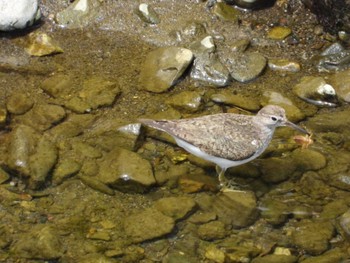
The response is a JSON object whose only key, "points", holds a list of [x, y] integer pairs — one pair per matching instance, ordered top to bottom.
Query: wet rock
{"points": [[251, 4], [226, 12], [18, 14], [147, 14], [77, 15], [191, 31], [279, 33], [40, 44], [202, 45], [240, 45], [334, 57], [284, 65], [247, 66], [163, 67], [340, 81], [58, 86], [315, 90], [96, 92], [227, 97], [186, 101], [19, 103], [293, 113], [3, 116], [42, 117], [330, 122], [31, 155], [307, 159], [65, 169], [275, 170], [126, 171], [4, 176], [340, 180], [194, 183], [96, 184], [175, 207], [238, 209], [334, 209], [274, 211], [201, 217], [344, 222], [145, 225], [212, 231], [5, 236], [313, 237], [41, 242], [214, 254], [333, 255], [275, 259]]}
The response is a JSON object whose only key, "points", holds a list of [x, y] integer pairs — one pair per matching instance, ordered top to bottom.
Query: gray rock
{"points": [[18, 14], [147, 14], [334, 58], [284, 65], [246, 66], [163, 67], [340, 81], [315, 90], [186, 101], [19, 103], [126, 171], [175, 207], [238, 209], [148, 224], [212, 231], [313, 237], [41, 242]]}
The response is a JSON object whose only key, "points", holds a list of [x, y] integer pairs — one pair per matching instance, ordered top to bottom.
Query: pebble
{"points": [[226, 12], [18, 14], [147, 14], [279, 33], [40, 44], [240, 45], [334, 58], [284, 65], [163, 67], [245, 67], [340, 81], [228, 98], [186, 101], [19, 103], [3, 116], [336, 121], [308, 160], [65, 169], [276, 170], [4, 176], [175, 207], [274, 212], [201, 217], [212, 231], [214, 254], [332, 255], [275, 259]]}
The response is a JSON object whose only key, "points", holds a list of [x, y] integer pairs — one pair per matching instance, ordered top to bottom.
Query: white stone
{"points": [[18, 14]]}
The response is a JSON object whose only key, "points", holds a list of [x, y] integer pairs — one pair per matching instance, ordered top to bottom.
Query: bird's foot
{"points": [[230, 186]]}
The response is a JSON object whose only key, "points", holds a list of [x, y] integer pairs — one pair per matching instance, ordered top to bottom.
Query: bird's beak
{"points": [[296, 127]]}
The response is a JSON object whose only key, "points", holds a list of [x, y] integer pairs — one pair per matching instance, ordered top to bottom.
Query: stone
{"points": [[226, 12], [18, 14], [147, 14], [279, 33], [41, 44], [284, 65], [163, 67], [245, 67], [340, 81], [58, 86], [228, 98], [186, 101], [19, 103], [3, 116], [336, 121], [307, 159], [65, 169], [276, 170], [126, 171], [4, 176], [340, 180], [96, 184], [175, 207], [238, 209], [274, 212], [201, 217], [344, 222], [148, 224], [212, 231], [313, 236], [41, 242], [214, 254], [330, 256], [275, 259]]}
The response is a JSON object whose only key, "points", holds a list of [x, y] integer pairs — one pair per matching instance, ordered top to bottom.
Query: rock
{"points": [[251, 4], [226, 12], [18, 14], [147, 14], [77, 15], [191, 31], [279, 33], [40, 44], [240, 45], [334, 58], [284, 65], [163, 67], [245, 67], [208, 69], [340, 81], [58, 86], [315, 90], [96, 92], [227, 97], [186, 101], [19, 103], [293, 113], [3, 116], [43, 116], [335, 121], [31, 155], [307, 159], [65, 169], [276, 170], [126, 171], [4, 176], [340, 180], [194, 183], [96, 184], [175, 207], [238, 209], [334, 209], [274, 211], [201, 217], [344, 222], [145, 225], [212, 231], [313, 236], [41, 242], [214, 254], [330, 256], [275, 259]]}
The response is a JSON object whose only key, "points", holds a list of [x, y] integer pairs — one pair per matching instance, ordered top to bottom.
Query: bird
{"points": [[226, 139]]}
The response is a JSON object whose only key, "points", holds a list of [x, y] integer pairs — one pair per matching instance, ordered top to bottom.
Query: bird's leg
{"points": [[225, 184]]}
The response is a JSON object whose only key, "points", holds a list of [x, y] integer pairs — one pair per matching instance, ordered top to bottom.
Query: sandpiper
{"points": [[226, 139]]}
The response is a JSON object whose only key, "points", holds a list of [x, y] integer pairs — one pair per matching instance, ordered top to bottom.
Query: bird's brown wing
{"points": [[228, 136]]}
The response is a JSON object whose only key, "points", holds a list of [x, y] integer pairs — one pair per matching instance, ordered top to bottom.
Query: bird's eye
{"points": [[273, 118]]}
